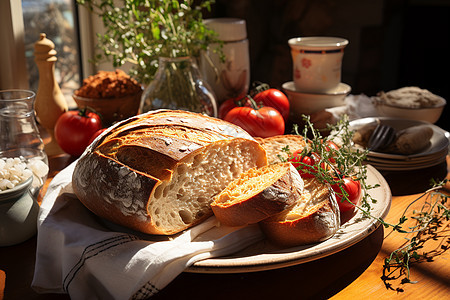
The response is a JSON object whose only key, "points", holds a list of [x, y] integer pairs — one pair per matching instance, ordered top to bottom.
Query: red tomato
{"points": [[274, 98], [229, 104], [226, 106], [263, 122], [74, 129], [96, 134], [331, 146], [304, 164], [353, 190]]}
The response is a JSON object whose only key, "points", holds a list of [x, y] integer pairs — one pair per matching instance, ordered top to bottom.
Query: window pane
{"points": [[55, 18]]}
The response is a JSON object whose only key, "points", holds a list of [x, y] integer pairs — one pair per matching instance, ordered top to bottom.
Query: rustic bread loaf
{"points": [[274, 146], [158, 172], [258, 194], [315, 216]]}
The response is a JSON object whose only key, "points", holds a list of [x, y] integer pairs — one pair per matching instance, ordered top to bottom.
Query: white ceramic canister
{"points": [[317, 63], [231, 78], [18, 214]]}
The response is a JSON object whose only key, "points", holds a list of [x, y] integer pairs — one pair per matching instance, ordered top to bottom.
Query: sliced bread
{"points": [[274, 146], [158, 172], [257, 194], [315, 216]]}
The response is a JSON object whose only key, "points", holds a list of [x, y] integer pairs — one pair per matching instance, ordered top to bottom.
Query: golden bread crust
{"points": [[157, 172]]}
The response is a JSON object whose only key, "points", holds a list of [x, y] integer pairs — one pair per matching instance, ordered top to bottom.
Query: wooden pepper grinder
{"points": [[50, 102]]}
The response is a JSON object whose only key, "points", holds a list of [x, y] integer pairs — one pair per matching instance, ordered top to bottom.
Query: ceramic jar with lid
{"points": [[229, 78], [18, 214]]}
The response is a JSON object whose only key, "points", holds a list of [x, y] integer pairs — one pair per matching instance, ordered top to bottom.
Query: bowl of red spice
{"points": [[114, 95]]}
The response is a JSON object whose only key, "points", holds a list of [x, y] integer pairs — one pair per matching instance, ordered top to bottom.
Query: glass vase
{"points": [[178, 84], [19, 136]]}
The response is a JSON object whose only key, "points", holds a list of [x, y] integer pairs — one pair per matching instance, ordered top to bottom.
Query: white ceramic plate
{"points": [[439, 142], [423, 161], [410, 167], [263, 256]]}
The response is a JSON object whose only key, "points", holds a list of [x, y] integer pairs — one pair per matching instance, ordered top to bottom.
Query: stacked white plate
{"points": [[433, 155]]}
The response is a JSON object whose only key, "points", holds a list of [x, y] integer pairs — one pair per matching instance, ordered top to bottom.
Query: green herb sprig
{"points": [[141, 31], [348, 160], [431, 221]]}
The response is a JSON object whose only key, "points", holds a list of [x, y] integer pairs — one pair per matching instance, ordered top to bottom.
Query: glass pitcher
{"points": [[178, 84], [19, 135]]}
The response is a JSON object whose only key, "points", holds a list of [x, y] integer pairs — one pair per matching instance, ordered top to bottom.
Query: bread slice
{"points": [[274, 146], [158, 172], [258, 194], [314, 218]]}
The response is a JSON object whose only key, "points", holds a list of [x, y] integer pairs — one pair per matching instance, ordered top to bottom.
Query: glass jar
{"points": [[178, 84], [19, 135]]}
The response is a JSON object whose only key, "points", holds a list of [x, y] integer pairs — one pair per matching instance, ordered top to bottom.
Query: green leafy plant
{"points": [[141, 31]]}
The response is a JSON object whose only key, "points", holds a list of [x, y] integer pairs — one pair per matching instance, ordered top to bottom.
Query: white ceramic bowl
{"points": [[309, 103], [429, 114]]}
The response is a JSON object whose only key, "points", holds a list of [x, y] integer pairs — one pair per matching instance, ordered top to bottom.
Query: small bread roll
{"points": [[362, 135], [411, 140]]}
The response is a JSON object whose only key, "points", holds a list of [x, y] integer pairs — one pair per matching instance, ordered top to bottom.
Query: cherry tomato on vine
{"points": [[274, 98], [263, 122], [74, 129], [331, 146], [304, 164], [352, 188]]}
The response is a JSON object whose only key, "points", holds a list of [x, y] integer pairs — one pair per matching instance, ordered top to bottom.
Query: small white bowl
{"points": [[410, 102], [309, 103], [428, 114]]}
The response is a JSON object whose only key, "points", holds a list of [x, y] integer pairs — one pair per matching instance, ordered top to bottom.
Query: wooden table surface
{"points": [[352, 273]]}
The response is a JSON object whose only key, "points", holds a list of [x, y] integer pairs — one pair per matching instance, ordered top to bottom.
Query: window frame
{"points": [[13, 73]]}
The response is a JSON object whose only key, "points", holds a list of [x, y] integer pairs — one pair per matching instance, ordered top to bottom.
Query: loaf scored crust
{"points": [[158, 172], [258, 194]]}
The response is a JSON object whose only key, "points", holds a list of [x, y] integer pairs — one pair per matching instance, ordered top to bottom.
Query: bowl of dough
{"points": [[412, 103]]}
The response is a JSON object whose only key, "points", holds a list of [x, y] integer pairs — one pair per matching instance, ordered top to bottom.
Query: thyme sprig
{"points": [[347, 161], [431, 222]]}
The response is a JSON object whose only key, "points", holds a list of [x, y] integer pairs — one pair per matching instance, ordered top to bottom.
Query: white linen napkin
{"points": [[356, 107], [78, 255]]}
